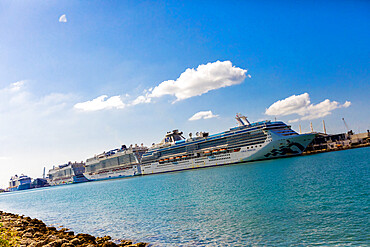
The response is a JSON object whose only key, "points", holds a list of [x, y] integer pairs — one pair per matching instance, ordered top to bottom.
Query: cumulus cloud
{"points": [[63, 18], [192, 82], [195, 82], [141, 99], [101, 103], [293, 104], [301, 105], [202, 115]]}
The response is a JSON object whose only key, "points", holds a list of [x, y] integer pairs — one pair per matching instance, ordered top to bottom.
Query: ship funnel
{"points": [[242, 120], [245, 120]]}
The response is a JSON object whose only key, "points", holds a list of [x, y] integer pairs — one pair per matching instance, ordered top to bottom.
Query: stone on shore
{"points": [[16, 230]]}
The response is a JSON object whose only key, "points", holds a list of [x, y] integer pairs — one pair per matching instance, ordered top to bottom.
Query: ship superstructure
{"points": [[247, 142], [116, 163], [67, 173], [21, 182]]}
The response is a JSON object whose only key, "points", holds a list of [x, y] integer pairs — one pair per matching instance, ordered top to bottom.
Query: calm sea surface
{"points": [[321, 199]]}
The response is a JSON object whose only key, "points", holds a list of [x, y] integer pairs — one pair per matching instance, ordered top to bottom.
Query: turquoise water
{"points": [[320, 199]]}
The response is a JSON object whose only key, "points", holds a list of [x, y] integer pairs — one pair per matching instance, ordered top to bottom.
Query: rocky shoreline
{"points": [[17, 230]]}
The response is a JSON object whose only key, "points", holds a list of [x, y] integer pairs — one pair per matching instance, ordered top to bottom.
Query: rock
{"points": [[51, 228], [31, 230], [35, 233], [27, 235], [38, 235], [51, 238], [86, 238], [103, 239], [26, 241], [75, 241], [125, 242], [57, 243], [38, 244], [109, 244], [141, 244], [68, 245]]}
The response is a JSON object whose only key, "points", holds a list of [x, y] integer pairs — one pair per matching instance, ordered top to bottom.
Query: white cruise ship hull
{"points": [[274, 147], [135, 170], [61, 181]]}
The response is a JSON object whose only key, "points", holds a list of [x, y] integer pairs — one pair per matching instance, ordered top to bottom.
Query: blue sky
{"points": [[121, 49]]}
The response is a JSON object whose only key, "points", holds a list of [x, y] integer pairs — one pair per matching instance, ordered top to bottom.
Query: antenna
{"points": [[311, 127], [300, 130], [43, 175]]}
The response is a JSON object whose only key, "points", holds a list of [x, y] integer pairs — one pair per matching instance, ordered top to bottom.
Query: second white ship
{"points": [[117, 163]]}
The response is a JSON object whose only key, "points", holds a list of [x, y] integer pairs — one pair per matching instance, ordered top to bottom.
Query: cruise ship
{"points": [[247, 142], [117, 163], [67, 173], [21, 182]]}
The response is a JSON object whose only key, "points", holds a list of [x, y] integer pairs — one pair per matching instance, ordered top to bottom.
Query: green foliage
{"points": [[8, 237], [4, 243]]}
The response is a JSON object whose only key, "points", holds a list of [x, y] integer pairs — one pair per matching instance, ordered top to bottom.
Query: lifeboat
{"points": [[222, 150], [216, 151], [207, 152], [184, 156], [172, 159], [165, 160], [160, 161]]}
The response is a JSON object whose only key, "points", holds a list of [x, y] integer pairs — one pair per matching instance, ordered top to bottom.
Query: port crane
{"points": [[350, 132]]}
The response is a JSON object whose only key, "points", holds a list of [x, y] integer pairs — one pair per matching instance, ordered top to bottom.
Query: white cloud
{"points": [[63, 18], [192, 82], [195, 82], [16, 86], [140, 100], [100, 103], [293, 104], [346, 104], [301, 105], [202, 115], [293, 120]]}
